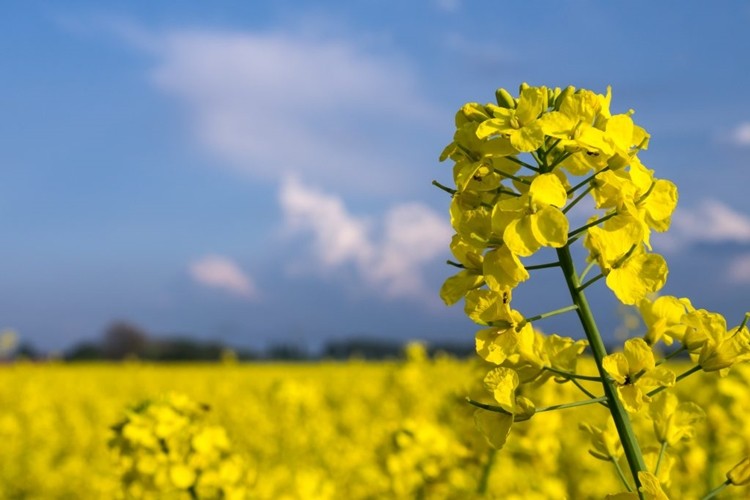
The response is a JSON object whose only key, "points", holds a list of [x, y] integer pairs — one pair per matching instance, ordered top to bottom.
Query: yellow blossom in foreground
{"points": [[635, 373]]}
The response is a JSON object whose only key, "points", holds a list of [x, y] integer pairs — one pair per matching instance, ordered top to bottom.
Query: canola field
{"points": [[353, 430]]}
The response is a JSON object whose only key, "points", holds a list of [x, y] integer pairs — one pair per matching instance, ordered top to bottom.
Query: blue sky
{"points": [[259, 172]]}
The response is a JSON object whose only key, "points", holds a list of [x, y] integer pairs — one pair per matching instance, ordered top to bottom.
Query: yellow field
{"points": [[344, 431]]}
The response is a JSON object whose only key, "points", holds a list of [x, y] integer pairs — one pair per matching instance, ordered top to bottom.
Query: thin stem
{"points": [[552, 146], [541, 160], [559, 160], [522, 163], [514, 177], [587, 180], [444, 188], [578, 198], [591, 224], [455, 264], [542, 266], [586, 270], [590, 282], [562, 310], [671, 355], [572, 376], [679, 377], [586, 391], [574, 404], [485, 406], [563, 406], [619, 415], [661, 456], [621, 474], [485, 479], [717, 490]]}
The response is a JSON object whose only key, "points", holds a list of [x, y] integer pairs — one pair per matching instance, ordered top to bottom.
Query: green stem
{"points": [[559, 160], [522, 163], [514, 177], [587, 180], [444, 188], [578, 198], [592, 224], [455, 264], [542, 266], [586, 270], [590, 282], [562, 310], [671, 355], [572, 376], [679, 377], [586, 391], [574, 404], [563, 406], [619, 415], [661, 456], [621, 474], [485, 479], [716, 490]]}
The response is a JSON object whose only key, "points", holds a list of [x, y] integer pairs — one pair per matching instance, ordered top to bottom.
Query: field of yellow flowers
{"points": [[327, 430]]}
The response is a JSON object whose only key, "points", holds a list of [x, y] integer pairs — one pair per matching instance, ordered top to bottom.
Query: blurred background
{"points": [[257, 174]]}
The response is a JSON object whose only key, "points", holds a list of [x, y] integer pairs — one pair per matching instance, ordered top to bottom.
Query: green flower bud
{"points": [[504, 99]]}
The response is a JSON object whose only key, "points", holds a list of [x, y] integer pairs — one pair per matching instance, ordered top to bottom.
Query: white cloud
{"points": [[272, 104], [740, 136], [712, 221], [412, 235], [738, 270], [220, 272]]}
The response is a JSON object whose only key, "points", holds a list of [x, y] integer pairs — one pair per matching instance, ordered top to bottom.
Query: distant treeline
{"points": [[123, 340]]}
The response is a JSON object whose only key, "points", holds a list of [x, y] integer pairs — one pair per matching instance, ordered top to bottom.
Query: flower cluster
{"points": [[521, 165], [166, 447]]}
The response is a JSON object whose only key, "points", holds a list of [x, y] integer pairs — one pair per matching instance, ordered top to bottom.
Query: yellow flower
{"points": [[519, 125], [534, 219], [631, 272], [455, 287], [663, 318], [497, 343], [716, 347], [635, 373], [502, 383], [674, 421], [606, 442], [740, 473]]}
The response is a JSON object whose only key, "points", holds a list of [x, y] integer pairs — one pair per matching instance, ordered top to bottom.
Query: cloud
{"points": [[271, 104], [740, 136], [713, 222], [411, 236], [738, 271], [220, 272]]}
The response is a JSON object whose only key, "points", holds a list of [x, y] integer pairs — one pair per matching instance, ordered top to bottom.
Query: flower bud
{"points": [[569, 90], [504, 99], [740, 473]]}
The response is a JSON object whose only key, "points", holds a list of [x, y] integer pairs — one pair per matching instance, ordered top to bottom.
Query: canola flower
{"points": [[520, 166]]}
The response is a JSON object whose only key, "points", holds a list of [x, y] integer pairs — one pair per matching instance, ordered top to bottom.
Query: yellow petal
{"points": [[547, 189], [550, 227], [519, 237], [503, 270], [638, 276], [457, 285], [639, 355], [617, 366], [502, 382], [494, 426]]}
